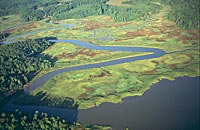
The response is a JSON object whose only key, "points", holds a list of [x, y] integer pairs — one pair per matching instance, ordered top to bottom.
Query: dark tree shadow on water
{"points": [[3, 36], [50, 38], [43, 99], [64, 107]]}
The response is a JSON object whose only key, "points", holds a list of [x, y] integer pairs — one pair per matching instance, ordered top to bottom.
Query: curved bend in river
{"points": [[155, 54]]}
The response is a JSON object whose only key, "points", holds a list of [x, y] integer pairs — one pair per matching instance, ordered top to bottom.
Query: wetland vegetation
{"points": [[169, 25]]}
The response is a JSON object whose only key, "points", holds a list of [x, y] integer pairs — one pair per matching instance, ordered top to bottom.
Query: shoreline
{"points": [[140, 94], [120, 100], [132, 107]]}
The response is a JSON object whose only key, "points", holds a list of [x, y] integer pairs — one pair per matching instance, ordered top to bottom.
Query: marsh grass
{"points": [[89, 88]]}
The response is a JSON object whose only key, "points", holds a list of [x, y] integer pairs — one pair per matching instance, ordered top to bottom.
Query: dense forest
{"points": [[8, 7], [39, 10], [139, 11], [185, 13], [20, 61], [18, 121]]}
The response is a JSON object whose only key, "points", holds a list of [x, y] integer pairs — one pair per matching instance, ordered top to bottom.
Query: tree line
{"points": [[10, 7], [39, 10], [117, 13], [185, 13], [20, 62], [18, 121], [40, 121]]}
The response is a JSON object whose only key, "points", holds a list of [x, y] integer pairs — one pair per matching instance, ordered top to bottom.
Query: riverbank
{"points": [[167, 105]]}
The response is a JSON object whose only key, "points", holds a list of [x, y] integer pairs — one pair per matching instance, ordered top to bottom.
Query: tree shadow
{"points": [[5, 18], [3, 36], [50, 38], [46, 56], [48, 60], [43, 99], [63, 107]]}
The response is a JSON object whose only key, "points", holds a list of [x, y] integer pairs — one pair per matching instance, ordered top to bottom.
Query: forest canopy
{"points": [[39, 10], [185, 13], [20, 61], [40, 121]]}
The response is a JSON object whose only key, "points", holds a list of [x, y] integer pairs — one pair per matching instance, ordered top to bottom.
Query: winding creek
{"points": [[155, 53], [168, 104]]}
